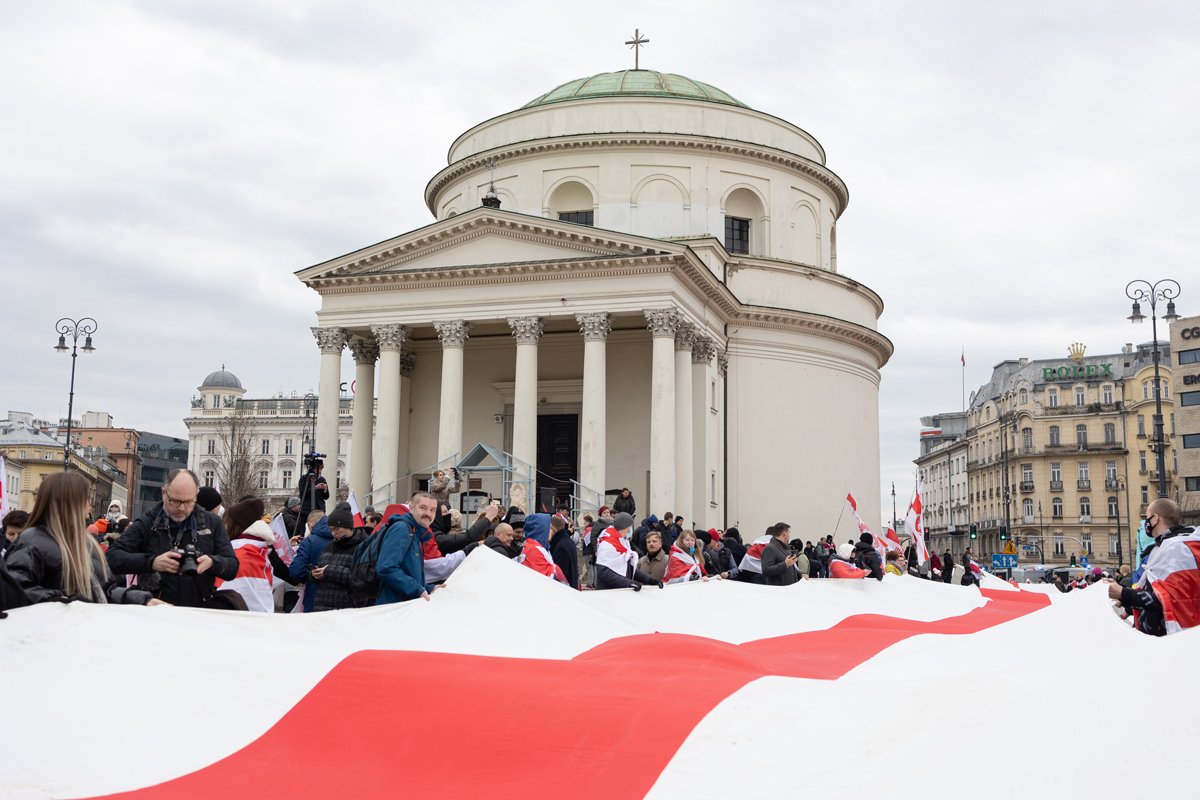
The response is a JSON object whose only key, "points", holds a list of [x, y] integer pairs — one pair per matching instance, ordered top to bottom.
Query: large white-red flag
{"points": [[914, 523], [881, 543], [681, 567]]}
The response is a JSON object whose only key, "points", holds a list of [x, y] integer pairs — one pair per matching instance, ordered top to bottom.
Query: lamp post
{"points": [[1140, 291], [74, 328]]}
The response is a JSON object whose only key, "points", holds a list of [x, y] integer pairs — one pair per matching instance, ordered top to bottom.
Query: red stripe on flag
{"points": [[382, 728]]}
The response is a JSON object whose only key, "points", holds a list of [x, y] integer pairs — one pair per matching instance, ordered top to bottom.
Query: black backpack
{"points": [[364, 581]]}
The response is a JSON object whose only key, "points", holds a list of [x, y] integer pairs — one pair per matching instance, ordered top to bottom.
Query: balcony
{"points": [[1111, 483], [1083, 485], [1026, 486], [1056, 486], [1085, 519]]}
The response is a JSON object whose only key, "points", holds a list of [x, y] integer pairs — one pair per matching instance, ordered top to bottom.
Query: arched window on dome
{"points": [[572, 201], [744, 217]]}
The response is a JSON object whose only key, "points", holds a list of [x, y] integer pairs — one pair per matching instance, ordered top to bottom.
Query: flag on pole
{"points": [[963, 358], [3, 488], [358, 517], [914, 523], [881, 543], [283, 544]]}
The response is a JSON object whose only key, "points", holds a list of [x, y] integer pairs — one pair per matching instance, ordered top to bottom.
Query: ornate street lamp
{"points": [[1139, 292], [74, 328]]}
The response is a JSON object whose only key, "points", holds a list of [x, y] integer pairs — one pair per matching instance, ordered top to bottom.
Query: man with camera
{"points": [[314, 489], [177, 549]]}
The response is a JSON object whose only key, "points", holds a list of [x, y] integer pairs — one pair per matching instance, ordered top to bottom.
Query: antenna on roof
{"points": [[636, 45]]}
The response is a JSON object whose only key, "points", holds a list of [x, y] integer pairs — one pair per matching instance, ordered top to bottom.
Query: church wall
{"points": [[786, 286], [803, 416]]}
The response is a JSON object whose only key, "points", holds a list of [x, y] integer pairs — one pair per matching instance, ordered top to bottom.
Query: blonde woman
{"points": [[56, 559]]}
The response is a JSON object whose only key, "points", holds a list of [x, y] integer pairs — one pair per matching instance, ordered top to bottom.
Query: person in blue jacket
{"points": [[308, 554], [401, 563]]}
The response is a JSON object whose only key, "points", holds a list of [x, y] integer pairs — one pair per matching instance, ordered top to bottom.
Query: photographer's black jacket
{"points": [[319, 493], [154, 534]]}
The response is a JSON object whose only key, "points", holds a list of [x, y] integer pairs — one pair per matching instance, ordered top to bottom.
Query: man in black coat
{"points": [[625, 503], [149, 547], [563, 550], [866, 557], [778, 560], [947, 566]]}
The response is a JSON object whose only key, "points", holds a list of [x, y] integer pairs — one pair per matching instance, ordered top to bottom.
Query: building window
{"points": [[578, 217], [737, 235], [1189, 356], [1107, 395], [1146, 395], [1080, 396], [1023, 397], [1052, 398], [216, 401], [1141, 425], [1110, 433], [1081, 435], [1027, 438], [1055, 439], [1191, 440], [212, 447], [266, 447], [287, 447], [1142, 460], [1056, 471], [1110, 471], [1085, 472], [1027, 473], [209, 477], [287, 478], [262, 479], [1191, 484], [1145, 495], [1027, 507], [1112, 507], [1056, 508], [1085, 508], [1087, 544], [1112, 544], [1059, 549]]}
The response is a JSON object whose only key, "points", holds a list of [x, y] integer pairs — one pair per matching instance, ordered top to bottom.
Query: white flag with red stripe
{"points": [[358, 517], [914, 523], [282, 544], [881, 544], [752, 561], [681, 566]]}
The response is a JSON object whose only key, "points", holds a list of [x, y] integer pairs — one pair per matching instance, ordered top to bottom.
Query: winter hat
{"points": [[208, 498], [293, 502], [244, 514], [341, 517], [652, 519], [517, 521], [624, 521], [102, 525], [259, 530], [734, 532], [704, 537], [866, 538], [845, 551], [1097, 571]]}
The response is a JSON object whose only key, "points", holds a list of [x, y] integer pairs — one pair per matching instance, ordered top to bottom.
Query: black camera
{"points": [[312, 459], [187, 560]]}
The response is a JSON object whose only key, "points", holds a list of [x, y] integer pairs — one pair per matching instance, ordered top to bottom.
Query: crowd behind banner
{"points": [[194, 550]]}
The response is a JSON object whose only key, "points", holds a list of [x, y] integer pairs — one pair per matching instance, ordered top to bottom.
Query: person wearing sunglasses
{"points": [[1165, 599]]}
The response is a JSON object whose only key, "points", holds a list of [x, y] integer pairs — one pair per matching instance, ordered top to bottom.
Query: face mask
{"points": [[691, 548]]}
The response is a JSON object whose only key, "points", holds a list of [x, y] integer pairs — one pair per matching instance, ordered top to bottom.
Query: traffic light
{"points": [[974, 531], [1003, 534]]}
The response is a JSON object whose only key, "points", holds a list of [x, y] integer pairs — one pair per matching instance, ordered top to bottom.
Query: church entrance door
{"points": [[557, 458]]}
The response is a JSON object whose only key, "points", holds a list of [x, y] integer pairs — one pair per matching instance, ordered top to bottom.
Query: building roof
{"points": [[638, 83], [221, 379], [16, 433]]}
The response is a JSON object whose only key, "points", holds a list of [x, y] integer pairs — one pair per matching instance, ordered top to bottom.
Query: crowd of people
{"points": [[192, 550]]}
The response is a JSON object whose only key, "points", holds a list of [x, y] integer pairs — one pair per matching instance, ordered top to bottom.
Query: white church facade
{"points": [[630, 281]]}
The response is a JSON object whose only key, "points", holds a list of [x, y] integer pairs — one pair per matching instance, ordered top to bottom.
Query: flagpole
{"points": [[964, 380], [845, 503]]}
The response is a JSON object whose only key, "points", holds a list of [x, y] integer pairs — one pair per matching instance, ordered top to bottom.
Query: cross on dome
{"points": [[636, 45]]}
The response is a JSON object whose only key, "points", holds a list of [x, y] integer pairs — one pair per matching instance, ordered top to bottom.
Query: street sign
{"points": [[1010, 549], [1004, 560]]}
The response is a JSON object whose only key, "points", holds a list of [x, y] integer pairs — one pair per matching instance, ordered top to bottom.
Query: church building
{"points": [[630, 281]]}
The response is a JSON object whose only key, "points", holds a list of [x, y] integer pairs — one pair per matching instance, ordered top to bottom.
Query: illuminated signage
{"points": [[1076, 371]]}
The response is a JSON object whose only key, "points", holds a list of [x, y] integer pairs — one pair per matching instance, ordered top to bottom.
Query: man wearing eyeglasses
{"points": [[160, 546], [1165, 599]]}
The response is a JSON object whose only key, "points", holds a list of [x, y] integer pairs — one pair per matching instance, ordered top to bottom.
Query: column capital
{"points": [[662, 322], [596, 326], [526, 330], [453, 333], [685, 336], [390, 337], [330, 340], [703, 350], [366, 351], [407, 362], [723, 362]]}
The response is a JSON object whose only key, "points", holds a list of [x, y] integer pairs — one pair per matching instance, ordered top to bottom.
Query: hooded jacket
{"points": [[308, 555], [867, 558], [401, 563]]}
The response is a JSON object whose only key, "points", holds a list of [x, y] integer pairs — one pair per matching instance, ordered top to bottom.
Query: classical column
{"points": [[662, 324], [527, 331], [453, 335], [685, 336], [391, 339], [331, 341], [407, 362], [722, 424], [362, 435], [592, 453], [702, 459]]}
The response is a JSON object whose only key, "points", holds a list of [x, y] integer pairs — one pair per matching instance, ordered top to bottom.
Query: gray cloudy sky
{"points": [[166, 166]]}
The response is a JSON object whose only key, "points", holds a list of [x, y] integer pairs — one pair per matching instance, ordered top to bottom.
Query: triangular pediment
{"points": [[486, 237]]}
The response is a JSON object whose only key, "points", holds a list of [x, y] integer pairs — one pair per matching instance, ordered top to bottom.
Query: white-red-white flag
{"points": [[914, 523], [881, 543], [283, 544], [681, 566]]}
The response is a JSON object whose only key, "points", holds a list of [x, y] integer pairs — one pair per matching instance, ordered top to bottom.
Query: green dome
{"points": [[635, 82]]}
